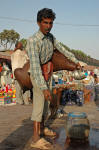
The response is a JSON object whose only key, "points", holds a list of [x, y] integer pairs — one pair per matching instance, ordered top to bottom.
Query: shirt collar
{"points": [[42, 36]]}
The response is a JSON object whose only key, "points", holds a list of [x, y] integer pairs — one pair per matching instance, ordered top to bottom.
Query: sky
{"points": [[76, 24]]}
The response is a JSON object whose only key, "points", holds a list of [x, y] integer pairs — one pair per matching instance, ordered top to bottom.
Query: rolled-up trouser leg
{"points": [[39, 103]]}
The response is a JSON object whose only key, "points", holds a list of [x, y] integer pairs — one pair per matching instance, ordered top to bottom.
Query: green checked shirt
{"points": [[40, 50]]}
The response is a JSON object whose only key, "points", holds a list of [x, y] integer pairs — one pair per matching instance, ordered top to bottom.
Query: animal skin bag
{"points": [[47, 70]]}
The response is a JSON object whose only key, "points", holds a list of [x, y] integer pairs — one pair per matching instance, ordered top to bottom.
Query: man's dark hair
{"points": [[45, 13]]}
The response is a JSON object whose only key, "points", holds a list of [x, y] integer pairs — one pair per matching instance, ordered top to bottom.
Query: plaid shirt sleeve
{"points": [[63, 50], [35, 67]]}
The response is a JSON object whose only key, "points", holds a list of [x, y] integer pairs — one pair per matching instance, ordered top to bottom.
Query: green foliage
{"points": [[8, 38], [24, 42], [66, 47], [79, 52], [80, 55], [88, 56]]}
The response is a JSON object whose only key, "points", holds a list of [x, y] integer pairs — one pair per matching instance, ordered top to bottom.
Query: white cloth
{"points": [[18, 59]]}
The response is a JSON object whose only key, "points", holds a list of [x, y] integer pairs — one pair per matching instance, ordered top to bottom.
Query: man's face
{"points": [[45, 25]]}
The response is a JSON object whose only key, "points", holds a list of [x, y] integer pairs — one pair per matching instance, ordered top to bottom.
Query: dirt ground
{"points": [[16, 128]]}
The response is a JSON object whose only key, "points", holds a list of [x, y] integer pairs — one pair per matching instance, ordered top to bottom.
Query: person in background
{"points": [[40, 49], [18, 59], [5, 67], [1, 68], [0, 72], [6, 73], [64, 78], [96, 79], [96, 82]]}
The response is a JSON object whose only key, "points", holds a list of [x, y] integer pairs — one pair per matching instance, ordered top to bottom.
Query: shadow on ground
{"points": [[21, 138], [18, 139]]}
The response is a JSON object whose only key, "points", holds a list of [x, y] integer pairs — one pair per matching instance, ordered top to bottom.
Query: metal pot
{"points": [[78, 75]]}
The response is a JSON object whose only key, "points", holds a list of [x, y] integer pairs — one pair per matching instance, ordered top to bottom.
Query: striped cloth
{"points": [[40, 50]]}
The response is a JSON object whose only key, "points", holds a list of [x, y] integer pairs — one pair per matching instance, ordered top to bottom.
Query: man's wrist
{"points": [[43, 88]]}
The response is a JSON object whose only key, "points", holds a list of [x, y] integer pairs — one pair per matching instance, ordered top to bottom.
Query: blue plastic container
{"points": [[60, 81], [53, 82], [77, 126]]}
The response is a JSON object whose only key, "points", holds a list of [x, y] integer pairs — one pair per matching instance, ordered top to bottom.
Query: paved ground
{"points": [[16, 128]]}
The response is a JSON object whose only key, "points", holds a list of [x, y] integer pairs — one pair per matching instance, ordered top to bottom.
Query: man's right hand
{"points": [[47, 95]]}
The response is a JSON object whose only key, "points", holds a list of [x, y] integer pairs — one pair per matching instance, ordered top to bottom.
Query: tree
{"points": [[8, 38], [24, 42], [66, 47]]}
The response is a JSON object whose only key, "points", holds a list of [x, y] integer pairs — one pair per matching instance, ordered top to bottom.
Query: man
{"points": [[40, 49], [18, 59]]}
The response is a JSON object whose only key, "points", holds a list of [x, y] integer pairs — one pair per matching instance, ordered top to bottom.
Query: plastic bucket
{"points": [[77, 125]]}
